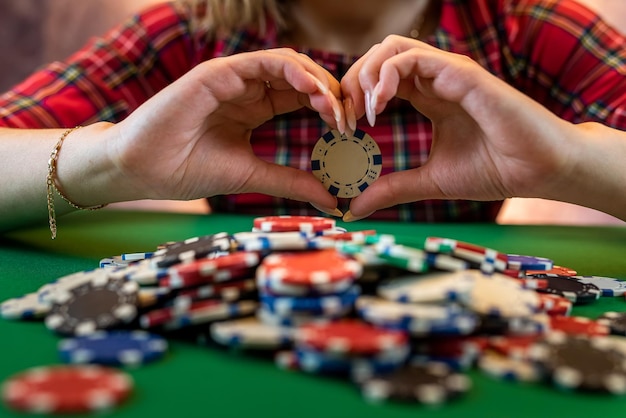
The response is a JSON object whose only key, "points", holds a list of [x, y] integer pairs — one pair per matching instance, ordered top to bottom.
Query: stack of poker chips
{"points": [[396, 320]]}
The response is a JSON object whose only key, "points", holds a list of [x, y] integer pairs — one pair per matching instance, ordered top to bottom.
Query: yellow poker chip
{"points": [[346, 166]]}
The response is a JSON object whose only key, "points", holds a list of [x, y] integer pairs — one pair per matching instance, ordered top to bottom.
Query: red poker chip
{"points": [[293, 223], [353, 236], [210, 267], [309, 268], [558, 270], [516, 274], [185, 279], [532, 283], [554, 305], [576, 325], [350, 337], [513, 346], [452, 347], [67, 389]]}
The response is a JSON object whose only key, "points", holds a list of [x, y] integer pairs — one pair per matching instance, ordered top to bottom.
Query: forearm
{"points": [[84, 172], [597, 176]]}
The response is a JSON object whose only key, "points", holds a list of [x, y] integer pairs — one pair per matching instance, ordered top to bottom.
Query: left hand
{"points": [[490, 141]]}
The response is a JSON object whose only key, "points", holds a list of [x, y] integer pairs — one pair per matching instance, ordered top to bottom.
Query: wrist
{"points": [[85, 174]]}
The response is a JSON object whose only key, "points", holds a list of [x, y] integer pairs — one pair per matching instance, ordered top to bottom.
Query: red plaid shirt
{"points": [[555, 51]]}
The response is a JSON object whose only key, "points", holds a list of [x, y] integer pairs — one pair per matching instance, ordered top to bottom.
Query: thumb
{"points": [[291, 183], [395, 188]]}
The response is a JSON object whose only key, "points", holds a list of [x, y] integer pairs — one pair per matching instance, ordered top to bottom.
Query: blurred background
{"points": [[34, 32]]}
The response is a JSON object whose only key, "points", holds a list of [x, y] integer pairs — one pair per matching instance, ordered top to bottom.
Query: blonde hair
{"points": [[227, 16]]}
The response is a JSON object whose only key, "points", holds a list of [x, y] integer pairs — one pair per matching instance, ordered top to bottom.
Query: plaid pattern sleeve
{"points": [[565, 57], [108, 78]]}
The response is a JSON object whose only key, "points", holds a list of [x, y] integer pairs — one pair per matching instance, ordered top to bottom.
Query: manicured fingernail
{"points": [[320, 86], [369, 111], [337, 114], [350, 115], [332, 212], [349, 217]]}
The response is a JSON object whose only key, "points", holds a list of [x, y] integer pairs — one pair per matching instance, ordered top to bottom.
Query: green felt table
{"points": [[199, 381]]}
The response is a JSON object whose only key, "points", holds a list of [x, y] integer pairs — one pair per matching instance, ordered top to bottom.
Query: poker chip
{"points": [[346, 166], [287, 223], [354, 237], [281, 241], [192, 249], [486, 259], [527, 262], [212, 266], [310, 269], [555, 270], [142, 272], [177, 281], [66, 283], [608, 286], [436, 287], [228, 291], [576, 291], [501, 296], [99, 304], [333, 304], [552, 304], [29, 306], [198, 312], [295, 319], [417, 319], [615, 321], [576, 325], [512, 326], [251, 333], [349, 336], [513, 346], [115, 348], [581, 362], [509, 369], [430, 383], [66, 389]]}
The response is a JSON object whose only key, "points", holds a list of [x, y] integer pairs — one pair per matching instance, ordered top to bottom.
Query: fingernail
{"points": [[320, 86], [369, 111], [337, 114], [350, 115], [332, 212], [349, 217]]}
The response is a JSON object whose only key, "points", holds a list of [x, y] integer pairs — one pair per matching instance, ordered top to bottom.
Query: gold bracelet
{"points": [[51, 182]]}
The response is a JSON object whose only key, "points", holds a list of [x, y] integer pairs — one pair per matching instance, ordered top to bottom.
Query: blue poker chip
{"points": [[528, 262], [333, 304], [418, 320], [462, 323], [114, 348], [317, 362]]}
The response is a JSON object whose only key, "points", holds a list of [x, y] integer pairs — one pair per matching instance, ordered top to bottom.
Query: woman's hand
{"points": [[191, 140], [490, 141]]}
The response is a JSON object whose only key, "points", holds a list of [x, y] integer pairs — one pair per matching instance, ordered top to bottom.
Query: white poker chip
{"points": [[346, 166], [608, 285], [433, 288], [501, 296], [29, 306], [250, 333]]}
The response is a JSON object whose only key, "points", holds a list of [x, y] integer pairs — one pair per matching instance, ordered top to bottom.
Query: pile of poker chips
{"points": [[402, 323]]}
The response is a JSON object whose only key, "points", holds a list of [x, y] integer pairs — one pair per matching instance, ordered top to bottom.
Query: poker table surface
{"points": [[206, 381]]}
